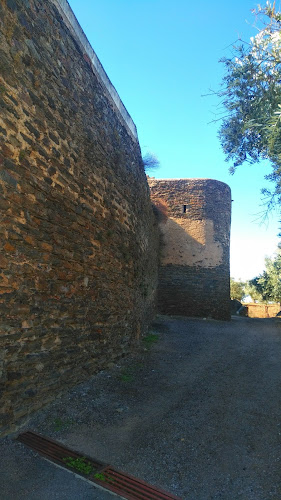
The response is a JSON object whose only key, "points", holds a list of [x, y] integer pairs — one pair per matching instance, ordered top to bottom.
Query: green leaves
{"points": [[251, 97], [268, 284], [237, 289], [79, 464], [83, 466]]}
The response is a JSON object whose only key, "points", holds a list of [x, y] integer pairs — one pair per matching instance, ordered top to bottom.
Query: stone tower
{"points": [[194, 270]]}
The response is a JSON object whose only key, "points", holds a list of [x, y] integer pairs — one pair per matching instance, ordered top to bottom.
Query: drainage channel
{"points": [[94, 471]]}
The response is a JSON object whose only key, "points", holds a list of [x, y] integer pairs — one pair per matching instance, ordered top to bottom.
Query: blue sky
{"points": [[162, 57]]}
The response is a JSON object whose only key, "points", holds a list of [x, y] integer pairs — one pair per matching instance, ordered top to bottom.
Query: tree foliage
{"points": [[251, 97], [150, 161], [268, 284], [237, 289], [254, 290]]}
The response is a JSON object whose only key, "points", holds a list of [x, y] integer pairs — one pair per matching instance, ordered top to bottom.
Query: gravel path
{"points": [[197, 413]]}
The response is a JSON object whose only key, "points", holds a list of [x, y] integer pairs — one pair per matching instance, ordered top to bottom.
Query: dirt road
{"points": [[197, 414]]}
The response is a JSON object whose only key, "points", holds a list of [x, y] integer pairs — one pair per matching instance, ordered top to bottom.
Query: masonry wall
{"points": [[78, 249], [194, 272], [262, 310]]}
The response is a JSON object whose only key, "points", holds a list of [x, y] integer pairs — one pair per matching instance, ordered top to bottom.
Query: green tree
{"points": [[251, 97], [268, 284], [237, 289], [253, 289]]}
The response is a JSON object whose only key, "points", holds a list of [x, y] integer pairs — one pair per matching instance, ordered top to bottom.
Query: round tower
{"points": [[194, 270]]}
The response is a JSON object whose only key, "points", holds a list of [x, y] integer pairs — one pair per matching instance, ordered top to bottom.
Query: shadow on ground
{"points": [[196, 412]]}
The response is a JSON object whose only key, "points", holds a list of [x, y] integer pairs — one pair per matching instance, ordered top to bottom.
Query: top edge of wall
{"points": [[73, 25], [187, 179]]}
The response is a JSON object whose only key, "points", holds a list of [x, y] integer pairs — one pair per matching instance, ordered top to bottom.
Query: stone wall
{"points": [[78, 255], [194, 272], [262, 310]]}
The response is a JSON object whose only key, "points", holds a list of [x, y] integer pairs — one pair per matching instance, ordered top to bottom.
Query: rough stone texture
{"points": [[78, 236], [194, 272], [262, 310]]}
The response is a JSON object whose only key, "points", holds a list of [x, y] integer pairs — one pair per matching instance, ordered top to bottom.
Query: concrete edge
{"points": [[76, 30], [78, 476]]}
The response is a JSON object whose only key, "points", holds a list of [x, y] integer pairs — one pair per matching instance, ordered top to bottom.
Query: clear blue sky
{"points": [[162, 57]]}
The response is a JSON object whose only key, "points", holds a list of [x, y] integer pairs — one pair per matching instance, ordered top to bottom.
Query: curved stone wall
{"points": [[78, 248], [194, 272]]}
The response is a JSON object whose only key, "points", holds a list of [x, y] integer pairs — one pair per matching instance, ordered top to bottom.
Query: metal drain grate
{"points": [[112, 479]]}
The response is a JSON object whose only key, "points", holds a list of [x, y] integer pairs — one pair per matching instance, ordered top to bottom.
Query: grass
{"points": [[150, 340], [128, 373], [126, 377], [60, 424], [79, 464], [83, 466], [101, 477]]}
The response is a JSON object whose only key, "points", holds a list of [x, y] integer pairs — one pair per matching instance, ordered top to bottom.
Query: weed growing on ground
{"points": [[150, 339], [128, 373], [126, 376], [60, 424], [79, 464], [85, 467], [100, 476]]}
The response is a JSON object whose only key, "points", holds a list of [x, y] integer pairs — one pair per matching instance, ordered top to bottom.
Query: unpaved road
{"points": [[198, 414]]}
